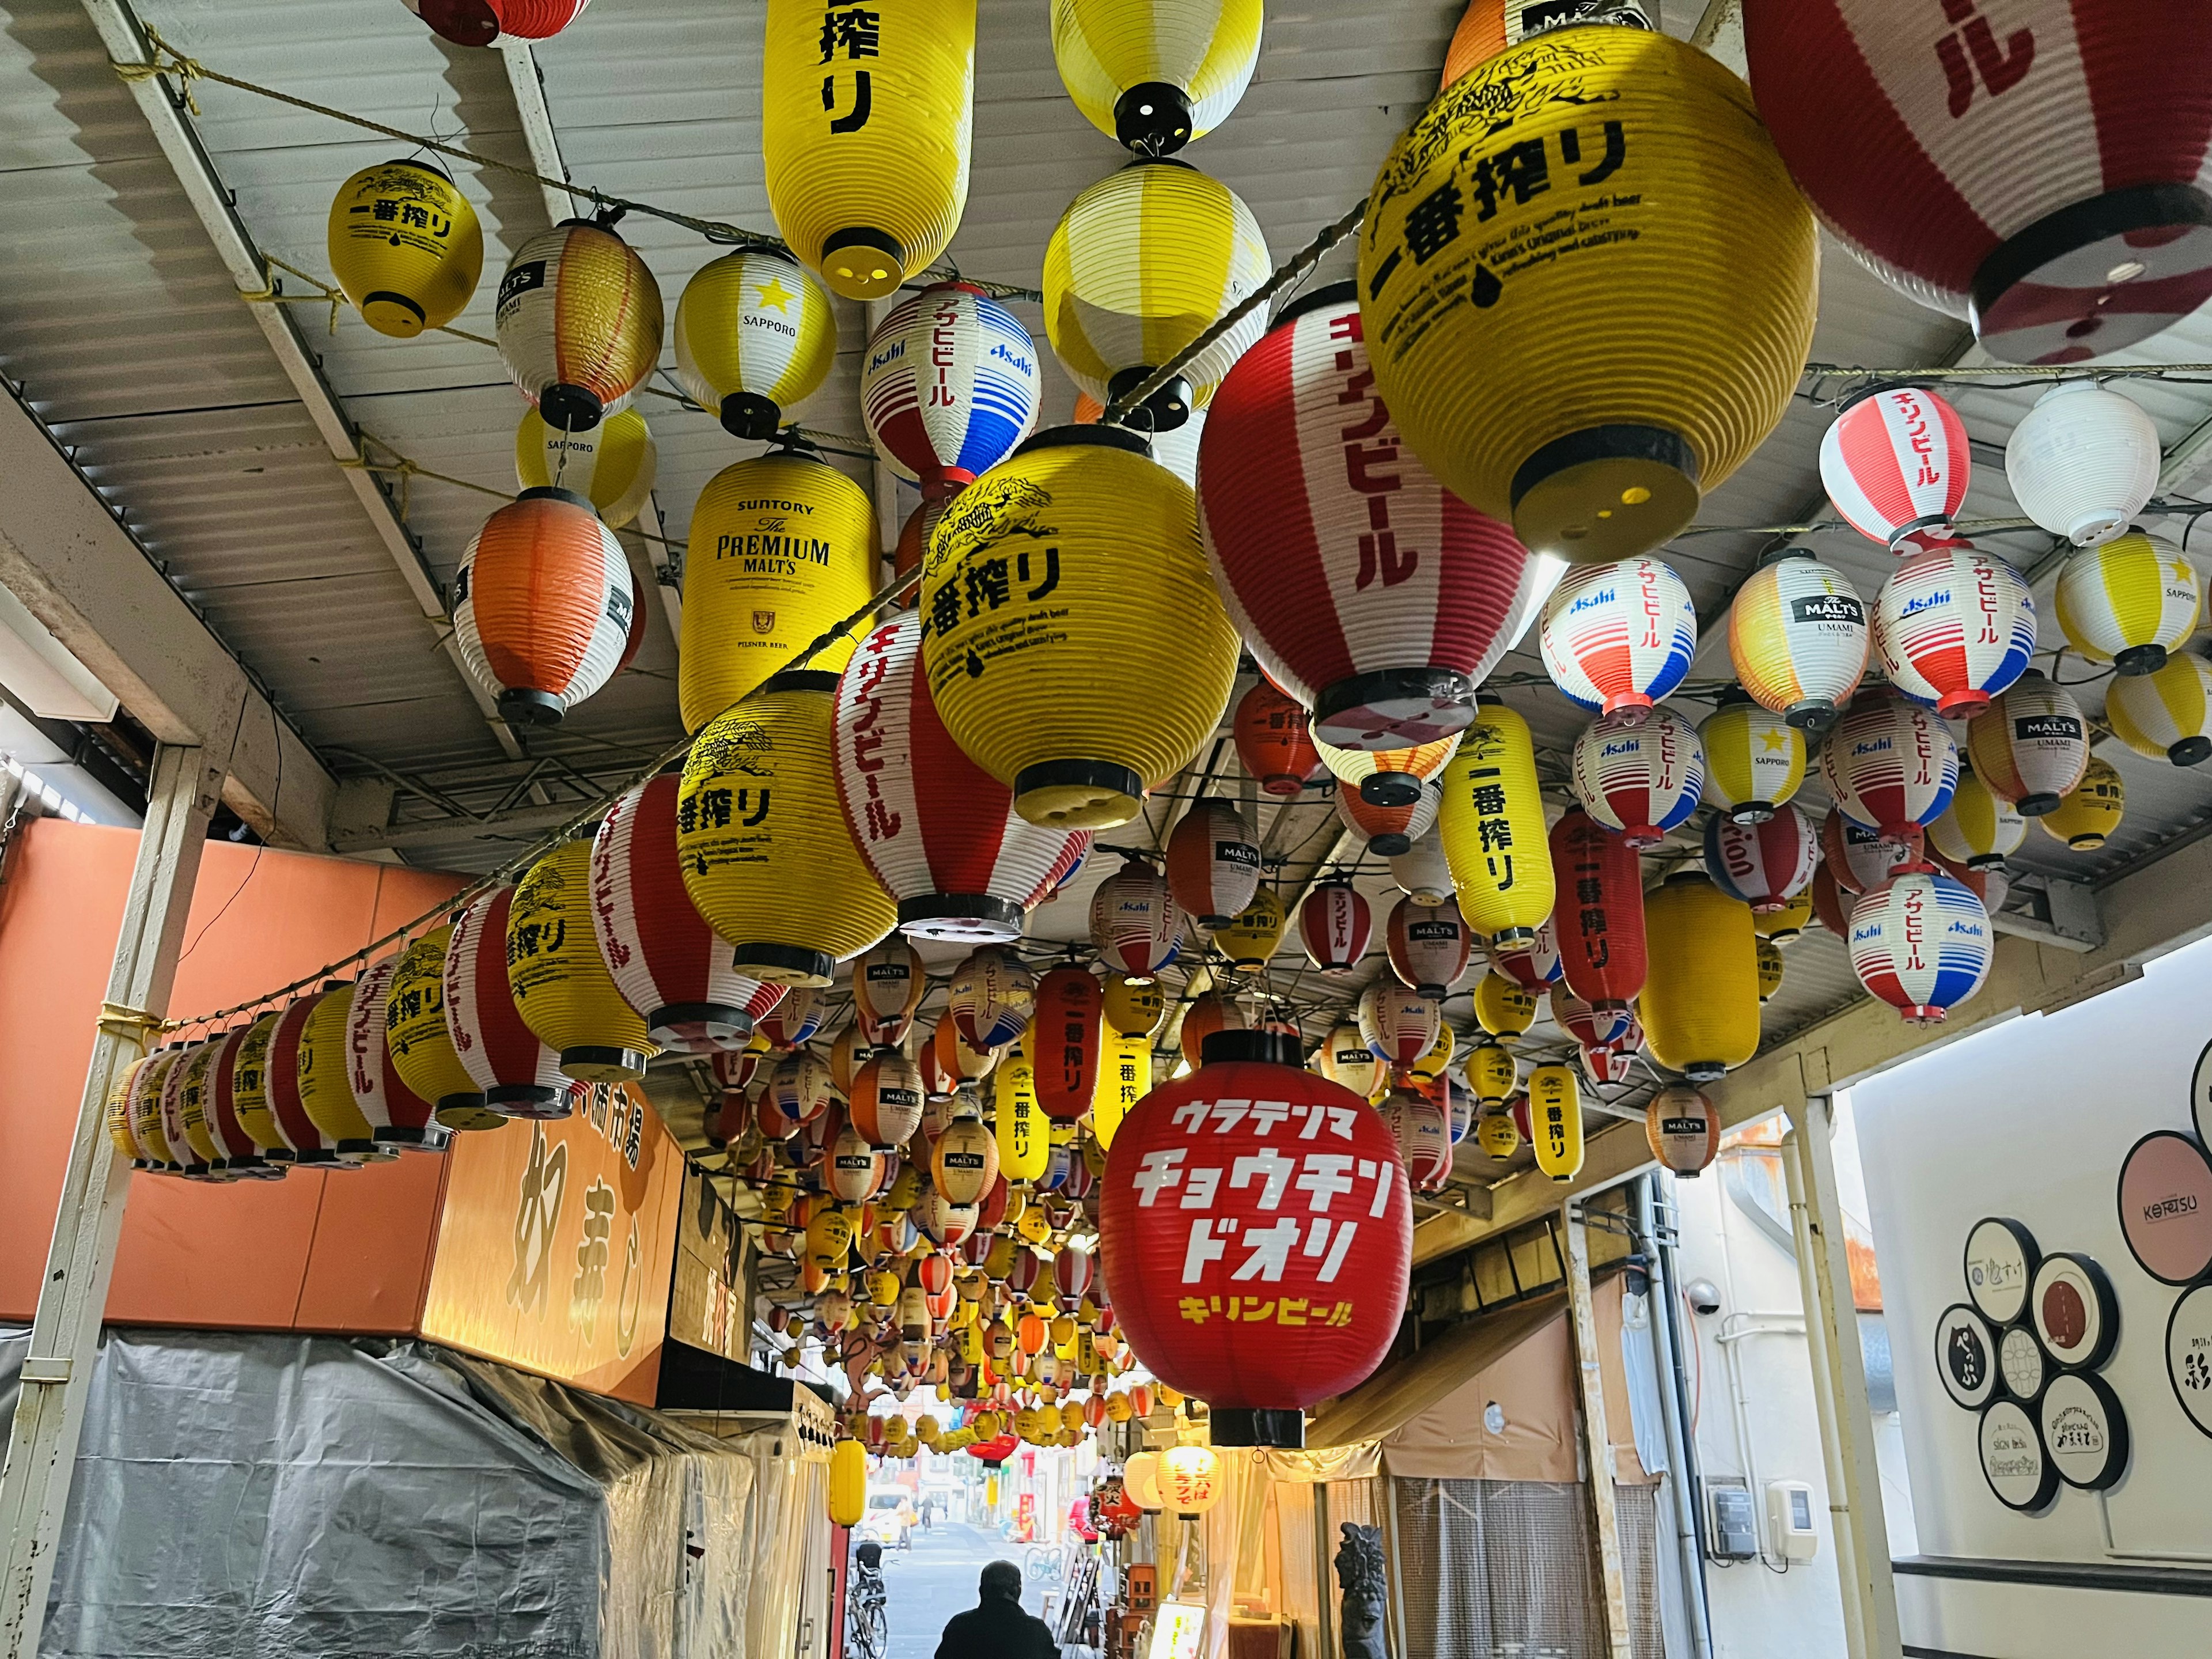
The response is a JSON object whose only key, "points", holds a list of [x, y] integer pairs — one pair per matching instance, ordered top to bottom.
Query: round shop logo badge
{"points": [[2165, 1206], [2001, 1259], [1965, 1356], [2020, 1360], [2085, 1432], [2012, 1460]]}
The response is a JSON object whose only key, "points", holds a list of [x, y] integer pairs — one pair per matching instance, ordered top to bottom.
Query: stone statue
{"points": [[1359, 1573]]}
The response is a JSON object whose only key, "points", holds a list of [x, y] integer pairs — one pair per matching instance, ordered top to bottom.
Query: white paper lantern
{"points": [[2084, 462]]}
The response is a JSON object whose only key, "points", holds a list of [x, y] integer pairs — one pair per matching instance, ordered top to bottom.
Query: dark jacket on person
{"points": [[997, 1629]]}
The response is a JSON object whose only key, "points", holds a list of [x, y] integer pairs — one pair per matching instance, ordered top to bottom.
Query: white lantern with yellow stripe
{"points": [[1155, 77], [579, 323], [755, 334], [613, 465], [2129, 602], [2167, 715], [1754, 759], [1979, 829]]}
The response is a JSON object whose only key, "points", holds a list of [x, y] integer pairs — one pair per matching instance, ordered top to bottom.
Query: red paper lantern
{"points": [[480, 23], [1897, 464], [1367, 590], [1273, 741], [1861, 859], [1213, 862], [1766, 865], [1830, 904], [1334, 925], [1429, 944], [1601, 948], [1215, 1012], [1065, 1035], [519, 1075], [281, 1078], [1313, 1235], [996, 1450]]}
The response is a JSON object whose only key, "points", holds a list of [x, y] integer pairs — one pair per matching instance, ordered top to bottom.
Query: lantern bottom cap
{"points": [[464, 22], [1153, 117], [863, 263], [2097, 276], [393, 314], [1169, 407], [567, 408], [748, 415], [1605, 492], [2095, 529], [2140, 659], [522, 705], [1962, 705], [1394, 709], [1814, 715], [2189, 751], [1282, 784], [1389, 789], [1077, 795], [2035, 805], [1751, 811], [1390, 845], [983, 917], [784, 964], [1918, 1014], [700, 1028], [592, 1062], [1705, 1070], [527, 1100], [468, 1112], [425, 1138], [320, 1156], [1257, 1426]]}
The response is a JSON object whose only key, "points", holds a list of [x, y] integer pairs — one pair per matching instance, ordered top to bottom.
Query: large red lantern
{"points": [[480, 23], [1897, 464], [1367, 590], [542, 605], [1273, 741], [940, 832], [1213, 862], [1766, 865], [1334, 924], [1429, 944], [1601, 948], [1066, 1037], [1253, 1180]]}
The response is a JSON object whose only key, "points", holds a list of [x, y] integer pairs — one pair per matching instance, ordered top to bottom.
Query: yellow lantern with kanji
{"points": [[405, 247], [2085, 818], [1491, 823], [1252, 934], [561, 984], [1134, 1008], [1504, 1008], [1492, 1072], [1125, 1077], [1555, 1120], [1496, 1136], [1024, 1143], [1189, 1480]]}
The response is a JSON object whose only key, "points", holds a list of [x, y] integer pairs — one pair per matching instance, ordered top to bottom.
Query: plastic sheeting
{"points": [[262, 1496]]}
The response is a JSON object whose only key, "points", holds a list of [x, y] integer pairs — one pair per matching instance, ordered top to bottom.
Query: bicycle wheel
{"points": [[875, 1633]]}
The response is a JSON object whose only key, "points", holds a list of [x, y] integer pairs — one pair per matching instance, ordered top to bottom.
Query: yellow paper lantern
{"points": [[1156, 76], [865, 114], [1622, 178], [406, 245], [1139, 265], [579, 323], [755, 334], [613, 464], [781, 549], [2130, 601], [1076, 647], [2167, 715], [1755, 759], [2085, 819], [1492, 824], [766, 856], [1794, 916], [1252, 934], [1771, 966], [561, 984], [1700, 1001], [1134, 1007], [1504, 1008], [421, 1046], [1430, 1065], [1492, 1072], [1125, 1077], [325, 1079], [249, 1095], [195, 1104], [116, 1117], [1555, 1120], [147, 1125], [1496, 1136], [1024, 1145], [1033, 1226], [828, 1239], [1189, 1480], [848, 1483]]}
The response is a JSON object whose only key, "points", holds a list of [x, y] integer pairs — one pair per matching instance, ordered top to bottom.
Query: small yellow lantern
{"points": [[406, 245], [754, 333], [1555, 1120]]}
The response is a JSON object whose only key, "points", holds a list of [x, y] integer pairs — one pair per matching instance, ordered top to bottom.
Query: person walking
{"points": [[996, 1627]]}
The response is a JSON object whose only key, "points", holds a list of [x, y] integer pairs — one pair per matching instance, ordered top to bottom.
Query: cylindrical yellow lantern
{"points": [[1156, 76], [866, 117], [1621, 178], [406, 245], [754, 333], [613, 463], [782, 547], [1076, 647], [1492, 824], [767, 856], [1253, 934], [561, 984], [1700, 1001], [1134, 1007], [1504, 1008], [422, 1045], [1125, 1077], [325, 1081], [257, 1114], [1555, 1120], [1024, 1130], [848, 1483]]}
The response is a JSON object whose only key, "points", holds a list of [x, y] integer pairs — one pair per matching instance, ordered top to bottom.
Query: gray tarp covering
{"points": [[269, 1497]]}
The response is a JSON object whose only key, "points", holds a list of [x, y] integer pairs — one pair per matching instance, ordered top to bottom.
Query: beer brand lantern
{"points": [[481, 23], [1488, 27], [1156, 77], [865, 120], [1910, 130], [405, 247], [1141, 264], [579, 323], [755, 334], [948, 387], [1596, 442], [2083, 462], [1896, 464], [613, 465], [782, 549], [1099, 549], [1368, 591], [2129, 602], [542, 605], [1954, 627], [1618, 637], [1798, 638], [2166, 715], [1273, 742], [2030, 746], [1754, 759], [1890, 764], [1640, 772], [1391, 777], [2085, 819], [1492, 824], [1979, 829], [1388, 831], [767, 856], [1860, 860], [1213, 862], [1765, 865], [1422, 872], [1831, 903], [1134, 919], [1788, 919], [1334, 924], [1253, 933], [1922, 943], [1428, 944], [1601, 951], [1534, 964], [1772, 966], [888, 982], [562, 984], [990, 998], [1700, 1001], [1134, 1006], [1504, 1008], [1215, 1012], [793, 1020], [1399, 1025], [1589, 1026], [421, 1042], [1066, 1042], [288, 1046], [846, 1055], [1345, 1060], [1606, 1069], [1492, 1072], [516, 1073], [799, 1088], [885, 1103], [396, 1114], [184, 1118], [1555, 1120], [1022, 1128], [1682, 1128], [1423, 1132], [1496, 1134], [243, 1154], [852, 1169], [1341, 1260]]}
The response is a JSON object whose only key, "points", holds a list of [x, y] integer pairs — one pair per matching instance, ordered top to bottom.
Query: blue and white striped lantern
{"points": [[950, 386], [1616, 638], [1640, 772], [1922, 943]]}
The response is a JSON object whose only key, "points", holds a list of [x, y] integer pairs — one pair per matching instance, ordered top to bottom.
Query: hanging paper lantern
{"points": [[481, 23], [1489, 26], [1156, 77], [865, 123], [1913, 137], [405, 247], [1141, 264], [579, 323], [755, 334], [948, 387], [1597, 441], [2083, 462], [1896, 464], [612, 465], [782, 547], [1098, 549], [1367, 590], [2129, 602], [542, 605], [1954, 627], [1618, 637], [1798, 638], [2166, 715], [1272, 741], [2031, 745], [1754, 759], [1890, 764], [1640, 774], [1390, 777], [2085, 818], [1491, 824], [1979, 829], [1388, 831], [766, 852], [1861, 859], [1213, 862], [1765, 865], [1423, 873], [1831, 903], [1134, 919], [1788, 919], [1334, 923], [1253, 935], [1922, 943], [1429, 946], [1601, 948], [1532, 963], [1771, 965], [888, 982], [990, 998], [1700, 1001], [1135, 1005], [1503, 1008], [1215, 1012], [793, 1020], [1399, 1025], [1589, 1026], [1067, 1041], [421, 1043], [846, 1055], [1345, 1060], [1606, 1069], [1491, 1072], [518, 1074], [248, 1080], [800, 1089], [884, 1102], [184, 1106], [396, 1114], [1555, 1117], [1022, 1128], [1683, 1129], [1423, 1133], [1496, 1136], [242, 1155], [964, 1164], [852, 1169], [1351, 1264], [1190, 1476]]}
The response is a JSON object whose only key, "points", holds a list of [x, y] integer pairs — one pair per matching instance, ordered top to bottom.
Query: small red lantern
{"points": [[480, 23], [1897, 464], [1272, 740], [1213, 862], [1830, 904], [1334, 925], [1429, 944], [1601, 947], [1215, 1012], [1067, 1033], [1072, 1272]]}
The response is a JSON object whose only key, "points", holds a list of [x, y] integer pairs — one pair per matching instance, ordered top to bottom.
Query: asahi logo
{"points": [[1828, 608], [2063, 727]]}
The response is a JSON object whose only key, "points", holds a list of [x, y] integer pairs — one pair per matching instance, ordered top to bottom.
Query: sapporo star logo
{"points": [[773, 293], [1772, 743]]}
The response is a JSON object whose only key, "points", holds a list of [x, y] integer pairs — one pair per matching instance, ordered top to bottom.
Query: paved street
{"points": [[936, 1579]]}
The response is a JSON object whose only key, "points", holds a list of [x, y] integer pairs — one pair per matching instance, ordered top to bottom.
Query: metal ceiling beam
{"points": [[457, 832]]}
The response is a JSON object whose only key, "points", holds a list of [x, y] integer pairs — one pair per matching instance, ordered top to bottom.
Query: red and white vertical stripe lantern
{"points": [[481, 23], [1896, 464], [1367, 590], [1954, 627], [1618, 637], [1890, 764], [1640, 772], [1388, 831], [1860, 860], [1213, 862], [1765, 865], [1134, 919], [1334, 924], [1429, 944], [1532, 963], [990, 998], [1399, 1024], [1591, 1026], [1607, 1067], [519, 1075], [397, 1116], [1423, 1132]]}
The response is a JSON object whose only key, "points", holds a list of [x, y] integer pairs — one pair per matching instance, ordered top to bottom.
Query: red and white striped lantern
{"points": [[481, 23], [2038, 166], [1896, 464], [1367, 590], [1954, 627], [1618, 637], [1890, 764], [1640, 771], [940, 832], [1863, 860], [1213, 862], [1765, 865], [1134, 919], [1334, 925], [1922, 943], [1429, 944], [667, 963], [1532, 963], [888, 982], [990, 998], [793, 1020], [1399, 1024], [1591, 1026], [1605, 1067], [520, 1077], [398, 1115], [1422, 1129]]}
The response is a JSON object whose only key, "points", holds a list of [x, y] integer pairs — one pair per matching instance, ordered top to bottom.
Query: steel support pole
{"points": [[182, 794], [1597, 1439]]}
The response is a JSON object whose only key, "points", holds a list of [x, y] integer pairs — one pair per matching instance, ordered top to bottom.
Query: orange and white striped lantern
{"points": [[579, 323], [543, 605], [1389, 832]]}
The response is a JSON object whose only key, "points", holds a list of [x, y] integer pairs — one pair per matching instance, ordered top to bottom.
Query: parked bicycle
{"points": [[868, 1628]]}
